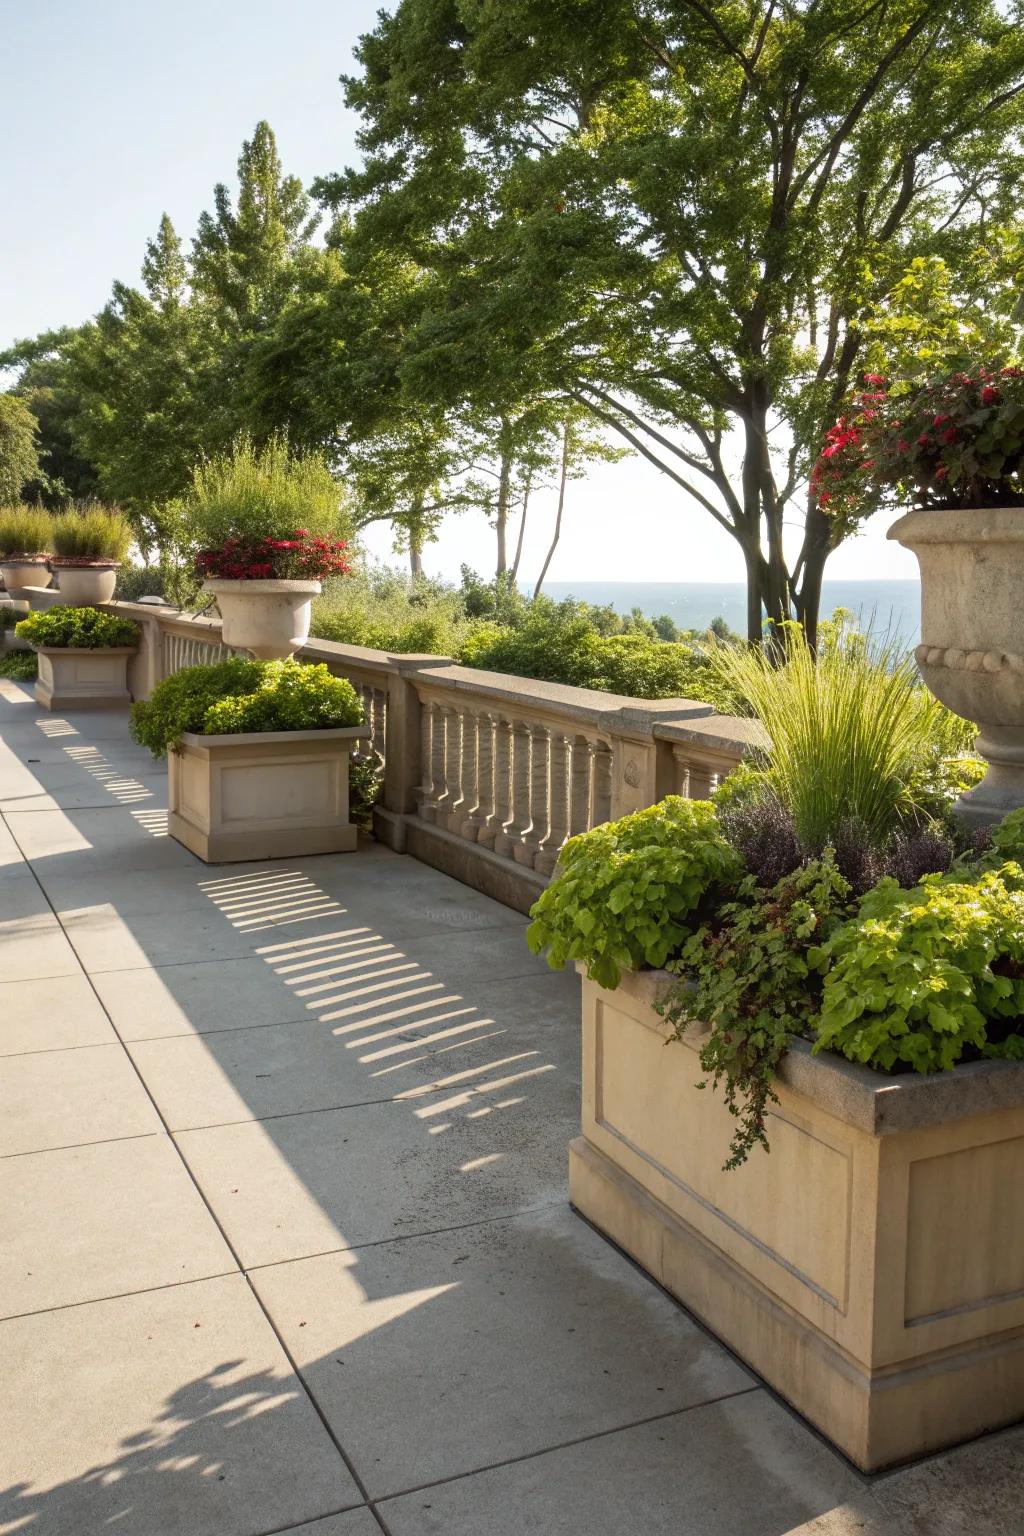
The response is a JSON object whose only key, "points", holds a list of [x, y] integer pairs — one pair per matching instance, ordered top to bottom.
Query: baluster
{"points": [[378, 725], [433, 726], [472, 732], [682, 772], [502, 779], [602, 783], [581, 790], [450, 802], [558, 805], [519, 811], [481, 815], [528, 847]]}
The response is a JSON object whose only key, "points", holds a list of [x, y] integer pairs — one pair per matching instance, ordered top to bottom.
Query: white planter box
{"points": [[81, 679], [262, 795], [871, 1267]]}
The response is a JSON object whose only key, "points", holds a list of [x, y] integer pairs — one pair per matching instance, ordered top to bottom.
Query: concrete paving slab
{"points": [[120, 788], [99, 842], [21, 897], [34, 946], [197, 997], [50, 1014], [333, 1061], [66, 1098], [307, 1184], [96, 1221], [435, 1356], [173, 1413], [743, 1467], [975, 1490], [355, 1522]]}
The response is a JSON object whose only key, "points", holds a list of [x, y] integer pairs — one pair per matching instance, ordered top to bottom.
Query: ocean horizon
{"points": [[891, 608]]}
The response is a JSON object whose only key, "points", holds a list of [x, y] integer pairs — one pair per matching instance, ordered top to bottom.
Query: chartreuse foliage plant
{"points": [[74, 629], [240, 695], [625, 888], [918, 977]]}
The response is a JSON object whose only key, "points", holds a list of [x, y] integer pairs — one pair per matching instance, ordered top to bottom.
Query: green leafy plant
{"points": [[251, 495], [25, 531], [91, 532], [387, 611], [9, 616], [77, 629], [19, 665], [239, 695], [849, 730], [365, 782], [623, 889], [747, 974], [917, 978]]}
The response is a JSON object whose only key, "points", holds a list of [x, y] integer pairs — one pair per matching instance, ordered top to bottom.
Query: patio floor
{"points": [[285, 1236]]}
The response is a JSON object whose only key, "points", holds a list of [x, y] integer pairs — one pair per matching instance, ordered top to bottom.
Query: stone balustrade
{"points": [[486, 775]]}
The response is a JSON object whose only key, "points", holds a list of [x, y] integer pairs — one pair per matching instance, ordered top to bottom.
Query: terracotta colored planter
{"points": [[23, 571], [84, 583], [269, 618], [972, 637], [82, 679], [262, 795], [870, 1267]]}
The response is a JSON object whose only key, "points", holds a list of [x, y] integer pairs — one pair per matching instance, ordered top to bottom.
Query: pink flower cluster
{"points": [[956, 439], [303, 557]]}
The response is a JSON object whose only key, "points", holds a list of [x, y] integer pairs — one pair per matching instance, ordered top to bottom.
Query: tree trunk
{"points": [[558, 515], [501, 518], [522, 529], [415, 554], [807, 601]]}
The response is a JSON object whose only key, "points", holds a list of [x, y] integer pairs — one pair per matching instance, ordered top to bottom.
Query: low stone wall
{"points": [[485, 774]]}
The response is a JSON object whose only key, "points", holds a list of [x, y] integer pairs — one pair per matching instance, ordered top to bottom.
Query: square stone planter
{"points": [[82, 679], [262, 795], [871, 1267]]}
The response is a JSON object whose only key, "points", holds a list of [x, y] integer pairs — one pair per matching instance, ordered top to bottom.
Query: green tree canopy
{"points": [[678, 212], [19, 458]]}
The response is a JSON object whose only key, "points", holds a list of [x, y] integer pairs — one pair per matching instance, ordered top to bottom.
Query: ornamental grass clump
{"points": [[265, 513], [25, 532], [92, 532], [77, 629], [239, 695], [849, 729]]}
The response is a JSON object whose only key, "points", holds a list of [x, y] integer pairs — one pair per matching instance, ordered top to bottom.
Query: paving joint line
{"points": [[142, 1290], [565, 1445]]}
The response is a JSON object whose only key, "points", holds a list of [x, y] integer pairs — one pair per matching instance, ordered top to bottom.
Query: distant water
{"points": [[885, 607]]}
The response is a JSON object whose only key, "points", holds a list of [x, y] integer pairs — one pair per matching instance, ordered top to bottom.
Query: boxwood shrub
{"points": [[77, 629], [238, 695]]}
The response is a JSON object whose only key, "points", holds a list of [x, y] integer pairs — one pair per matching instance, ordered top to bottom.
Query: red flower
{"points": [[989, 395]]}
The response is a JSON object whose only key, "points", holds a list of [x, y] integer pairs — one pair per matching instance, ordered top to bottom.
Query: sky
{"points": [[120, 112]]}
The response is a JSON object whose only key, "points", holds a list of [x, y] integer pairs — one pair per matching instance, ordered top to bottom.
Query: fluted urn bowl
{"points": [[971, 654]]}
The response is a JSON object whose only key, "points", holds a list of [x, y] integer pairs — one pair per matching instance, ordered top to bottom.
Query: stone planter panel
{"points": [[83, 679], [271, 795], [871, 1267]]}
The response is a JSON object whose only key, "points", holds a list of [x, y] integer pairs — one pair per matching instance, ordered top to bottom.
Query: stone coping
{"points": [[723, 733], [275, 738], [880, 1103]]}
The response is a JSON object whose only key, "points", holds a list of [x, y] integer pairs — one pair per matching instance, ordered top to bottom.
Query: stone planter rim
{"points": [[959, 525], [22, 559], [83, 563], [270, 585], [274, 738], [880, 1103]]}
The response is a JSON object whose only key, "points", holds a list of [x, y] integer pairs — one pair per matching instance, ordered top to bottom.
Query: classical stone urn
{"points": [[22, 571], [84, 583], [269, 618], [972, 637]]}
